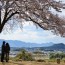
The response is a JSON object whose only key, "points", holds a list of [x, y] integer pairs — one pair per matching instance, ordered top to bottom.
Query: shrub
{"points": [[24, 55], [57, 55]]}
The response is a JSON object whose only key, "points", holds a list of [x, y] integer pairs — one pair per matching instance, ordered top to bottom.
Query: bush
{"points": [[24, 55], [57, 55]]}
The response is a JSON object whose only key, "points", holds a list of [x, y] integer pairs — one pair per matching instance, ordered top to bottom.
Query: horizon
{"points": [[30, 42], [21, 44]]}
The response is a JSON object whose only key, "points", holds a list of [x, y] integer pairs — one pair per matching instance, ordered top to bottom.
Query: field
{"points": [[26, 58], [30, 63]]}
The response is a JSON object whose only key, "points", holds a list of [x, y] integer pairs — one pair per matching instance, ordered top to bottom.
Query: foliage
{"points": [[37, 11], [24, 55], [57, 55]]}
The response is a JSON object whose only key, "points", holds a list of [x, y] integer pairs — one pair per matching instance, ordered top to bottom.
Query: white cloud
{"points": [[31, 34]]}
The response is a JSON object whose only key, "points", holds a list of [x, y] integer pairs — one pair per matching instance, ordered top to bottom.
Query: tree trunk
{"points": [[1, 27]]}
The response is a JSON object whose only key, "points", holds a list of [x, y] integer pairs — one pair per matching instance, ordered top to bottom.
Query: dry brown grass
{"points": [[31, 63], [41, 63]]}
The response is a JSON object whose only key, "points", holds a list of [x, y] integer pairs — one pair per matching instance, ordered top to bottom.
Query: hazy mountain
{"points": [[16, 43], [31, 46], [59, 46]]}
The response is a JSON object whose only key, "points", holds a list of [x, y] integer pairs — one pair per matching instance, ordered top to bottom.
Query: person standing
{"points": [[7, 51], [3, 52]]}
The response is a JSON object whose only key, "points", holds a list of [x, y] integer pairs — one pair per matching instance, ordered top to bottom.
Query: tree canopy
{"points": [[36, 11]]}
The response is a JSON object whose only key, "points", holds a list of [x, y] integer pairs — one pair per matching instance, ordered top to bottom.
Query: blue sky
{"points": [[30, 33]]}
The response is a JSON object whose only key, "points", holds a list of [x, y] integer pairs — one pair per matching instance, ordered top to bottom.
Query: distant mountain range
{"points": [[16, 43], [42, 46], [58, 47]]}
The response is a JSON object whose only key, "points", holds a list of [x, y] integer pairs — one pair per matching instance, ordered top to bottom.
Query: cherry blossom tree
{"points": [[36, 11]]}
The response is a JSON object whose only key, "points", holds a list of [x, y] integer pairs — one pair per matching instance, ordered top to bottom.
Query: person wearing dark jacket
{"points": [[7, 51], [3, 52]]}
